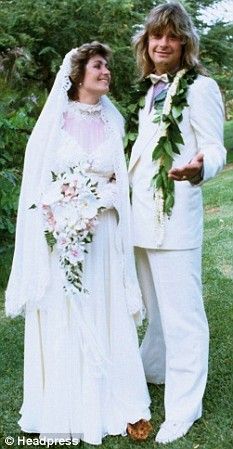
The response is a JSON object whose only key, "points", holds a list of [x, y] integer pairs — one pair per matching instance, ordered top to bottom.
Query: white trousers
{"points": [[175, 347]]}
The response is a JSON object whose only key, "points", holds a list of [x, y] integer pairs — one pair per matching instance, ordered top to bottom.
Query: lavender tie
{"points": [[158, 87]]}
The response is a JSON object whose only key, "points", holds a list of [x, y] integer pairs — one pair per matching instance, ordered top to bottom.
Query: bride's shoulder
{"points": [[113, 114]]}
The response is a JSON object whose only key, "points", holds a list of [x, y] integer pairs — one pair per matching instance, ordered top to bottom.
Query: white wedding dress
{"points": [[83, 375]]}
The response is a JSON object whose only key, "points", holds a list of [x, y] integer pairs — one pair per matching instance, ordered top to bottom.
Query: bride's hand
{"points": [[112, 178], [107, 196]]}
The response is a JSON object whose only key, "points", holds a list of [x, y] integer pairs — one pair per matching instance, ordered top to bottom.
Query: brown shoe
{"points": [[140, 430]]}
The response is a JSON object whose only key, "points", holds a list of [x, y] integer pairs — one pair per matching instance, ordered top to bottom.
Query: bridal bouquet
{"points": [[70, 208]]}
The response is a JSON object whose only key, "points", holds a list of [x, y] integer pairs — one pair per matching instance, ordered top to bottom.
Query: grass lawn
{"points": [[213, 430]]}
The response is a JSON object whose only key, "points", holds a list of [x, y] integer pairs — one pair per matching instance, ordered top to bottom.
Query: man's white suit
{"points": [[202, 130], [175, 347]]}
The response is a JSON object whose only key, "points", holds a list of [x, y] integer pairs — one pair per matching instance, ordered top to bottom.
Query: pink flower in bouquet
{"points": [[69, 190], [49, 217], [62, 240], [76, 255]]}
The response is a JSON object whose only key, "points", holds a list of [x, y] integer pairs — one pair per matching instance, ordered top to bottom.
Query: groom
{"points": [[167, 236]]}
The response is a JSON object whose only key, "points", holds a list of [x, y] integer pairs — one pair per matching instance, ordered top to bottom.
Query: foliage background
{"points": [[34, 37]]}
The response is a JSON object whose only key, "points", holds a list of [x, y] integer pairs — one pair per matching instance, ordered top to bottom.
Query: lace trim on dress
{"points": [[87, 111]]}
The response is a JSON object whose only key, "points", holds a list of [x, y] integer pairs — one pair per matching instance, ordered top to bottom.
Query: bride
{"points": [[76, 284]]}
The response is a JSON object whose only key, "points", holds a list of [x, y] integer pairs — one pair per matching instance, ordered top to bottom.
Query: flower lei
{"points": [[168, 138]]}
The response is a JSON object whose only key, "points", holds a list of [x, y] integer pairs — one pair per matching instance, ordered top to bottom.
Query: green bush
{"points": [[18, 112], [228, 140], [9, 193]]}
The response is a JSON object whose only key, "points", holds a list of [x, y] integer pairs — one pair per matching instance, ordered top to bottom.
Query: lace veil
{"points": [[30, 273]]}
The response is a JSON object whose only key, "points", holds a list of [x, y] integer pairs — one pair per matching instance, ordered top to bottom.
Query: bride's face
{"points": [[97, 76]]}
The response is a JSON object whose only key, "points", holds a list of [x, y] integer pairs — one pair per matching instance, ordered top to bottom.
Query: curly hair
{"points": [[174, 17], [79, 61]]}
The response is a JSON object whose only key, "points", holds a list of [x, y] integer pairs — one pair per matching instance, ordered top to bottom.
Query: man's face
{"points": [[165, 50]]}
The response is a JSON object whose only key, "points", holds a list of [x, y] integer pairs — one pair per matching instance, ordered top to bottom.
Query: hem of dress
{"points": [[123, 432]]}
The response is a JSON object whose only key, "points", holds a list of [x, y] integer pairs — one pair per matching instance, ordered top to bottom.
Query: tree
{"points": [[54, 27], [34, 37], [34, 44]]}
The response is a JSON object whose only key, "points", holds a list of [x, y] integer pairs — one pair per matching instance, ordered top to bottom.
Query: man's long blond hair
{"points": [[169, 16]]}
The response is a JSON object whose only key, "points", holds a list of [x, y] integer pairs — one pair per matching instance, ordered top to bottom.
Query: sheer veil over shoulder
{"points": [[27, 284]]}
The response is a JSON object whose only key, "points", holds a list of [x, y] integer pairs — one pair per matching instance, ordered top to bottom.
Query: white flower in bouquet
{"points": [[85, 165], [88, 204], [66, 215], [63, 241]]}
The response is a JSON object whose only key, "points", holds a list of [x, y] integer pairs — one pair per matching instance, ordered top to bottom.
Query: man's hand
{"points": [[188, 172]]}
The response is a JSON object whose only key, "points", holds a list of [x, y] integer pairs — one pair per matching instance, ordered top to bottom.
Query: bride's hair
{"points": [[79, 61]]}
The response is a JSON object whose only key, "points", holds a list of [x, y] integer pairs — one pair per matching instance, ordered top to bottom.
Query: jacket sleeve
{"points": [[207, 120]]}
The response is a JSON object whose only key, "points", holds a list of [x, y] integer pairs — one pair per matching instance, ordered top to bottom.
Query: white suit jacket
{"points": [[202, 130]]}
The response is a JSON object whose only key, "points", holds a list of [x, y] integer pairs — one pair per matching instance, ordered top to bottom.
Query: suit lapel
{"points": [[148, 130]]}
